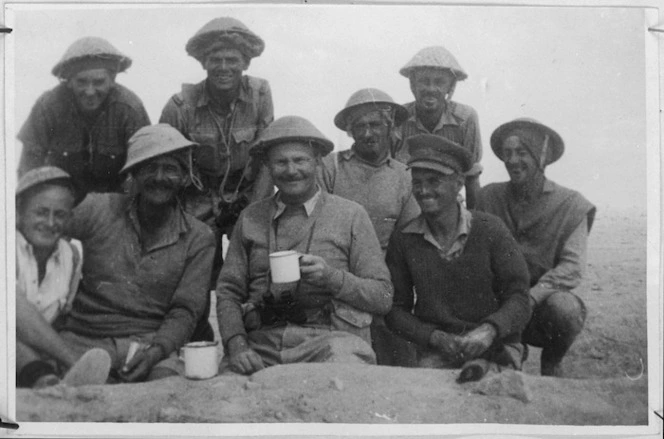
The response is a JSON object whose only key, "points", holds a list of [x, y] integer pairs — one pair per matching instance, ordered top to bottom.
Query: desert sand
{"points": [[606, 372]]}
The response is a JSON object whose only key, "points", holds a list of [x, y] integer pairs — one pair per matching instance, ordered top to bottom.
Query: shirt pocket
{"points": [[244, 135], [242, 140], [68, 151], [211, 155], [108, 157], [345, 317]]}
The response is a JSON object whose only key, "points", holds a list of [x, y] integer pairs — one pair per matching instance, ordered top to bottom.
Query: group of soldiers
{"points": [[120, 226]]}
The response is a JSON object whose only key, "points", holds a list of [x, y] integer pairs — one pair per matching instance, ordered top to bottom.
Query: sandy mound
{"points": [[348, 394]]}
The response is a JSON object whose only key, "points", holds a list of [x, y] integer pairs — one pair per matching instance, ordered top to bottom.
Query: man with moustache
{"points": [[433, 74], [84, 124], [368, 175], [551, 224], [147, 262], [48, 269], [470, 279], [325, 316]]}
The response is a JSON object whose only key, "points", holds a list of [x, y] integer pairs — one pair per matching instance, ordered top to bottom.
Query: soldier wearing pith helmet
{"points": [[433, 74], [224, 114], [84, 124], [551, 224], [147, 264], [470, 278], [325, 316]]}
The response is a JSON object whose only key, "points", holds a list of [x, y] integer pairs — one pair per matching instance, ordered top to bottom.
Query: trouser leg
{"points": [[555, 324], [321, 345], [390, 349], [24, 355], [30, 366]]}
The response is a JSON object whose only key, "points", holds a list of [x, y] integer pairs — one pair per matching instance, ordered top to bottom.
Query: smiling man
{"points": [[433, 74], [224, 114], [84, 124], [368, 175], [551, 224], [147, 262], [48, 269], [470, 278], [325, 316]]}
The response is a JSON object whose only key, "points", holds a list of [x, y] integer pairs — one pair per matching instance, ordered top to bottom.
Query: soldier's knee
{"points": [[564, 312]]}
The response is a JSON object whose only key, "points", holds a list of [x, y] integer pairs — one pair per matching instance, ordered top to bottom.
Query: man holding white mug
{"points": [[325, 315]]}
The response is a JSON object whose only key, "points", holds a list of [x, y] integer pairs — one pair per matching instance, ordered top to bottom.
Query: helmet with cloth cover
{"points": [[224, 32]]}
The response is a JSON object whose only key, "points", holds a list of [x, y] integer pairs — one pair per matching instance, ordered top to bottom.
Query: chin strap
{"points": [[543, 154], [192, 175]]}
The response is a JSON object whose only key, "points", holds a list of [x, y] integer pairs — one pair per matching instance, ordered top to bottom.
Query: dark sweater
{"points": [[488, 282]]}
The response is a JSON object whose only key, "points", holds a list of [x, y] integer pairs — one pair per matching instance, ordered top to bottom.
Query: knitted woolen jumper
{"points": [[488, 282]]}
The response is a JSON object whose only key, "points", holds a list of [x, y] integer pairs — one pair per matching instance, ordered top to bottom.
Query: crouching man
{"points": [[551, 224], [147, 262], [48, 270], [470, 277], [325, 316]]}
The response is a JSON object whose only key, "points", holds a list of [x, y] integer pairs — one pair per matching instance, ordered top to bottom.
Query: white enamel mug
{"points": [[285, 266], [200, 360]]}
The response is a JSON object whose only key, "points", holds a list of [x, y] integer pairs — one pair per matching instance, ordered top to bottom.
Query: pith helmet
{"points": [[228, 31], [91, 49], [436, 57], [370, 98], [291, 128], [154, 141], [554, 149], [438, 154], [48, 175]]}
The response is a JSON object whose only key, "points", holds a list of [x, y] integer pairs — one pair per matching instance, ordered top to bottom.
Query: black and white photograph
{"points": [[316, 219]]}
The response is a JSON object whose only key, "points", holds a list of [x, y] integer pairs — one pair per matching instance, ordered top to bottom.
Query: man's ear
{"points": [[247, 63]]}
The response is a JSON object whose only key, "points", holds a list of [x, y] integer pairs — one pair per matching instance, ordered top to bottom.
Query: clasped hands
{"points": [[461, 348]]}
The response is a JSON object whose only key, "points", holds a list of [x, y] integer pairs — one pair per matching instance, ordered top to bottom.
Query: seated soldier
{"points": [[551, 225], [147, 262], [48, 269], [471, 280], [324, 317]]}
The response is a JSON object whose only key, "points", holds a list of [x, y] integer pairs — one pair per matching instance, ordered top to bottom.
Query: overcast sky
{"points": [[579, 70]]}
